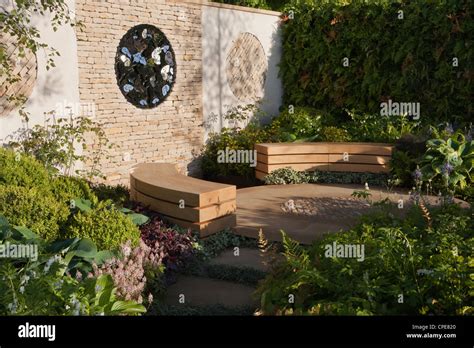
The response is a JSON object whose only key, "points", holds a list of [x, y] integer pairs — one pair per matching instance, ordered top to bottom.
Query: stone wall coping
{"points": [[228, 7]]}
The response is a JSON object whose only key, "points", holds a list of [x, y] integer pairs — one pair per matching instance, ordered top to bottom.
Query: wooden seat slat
{"points": [[350, 157], [190, 202]]}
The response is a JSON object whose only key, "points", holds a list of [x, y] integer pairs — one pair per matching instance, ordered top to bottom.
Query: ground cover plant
{"points": [[420, 264]]}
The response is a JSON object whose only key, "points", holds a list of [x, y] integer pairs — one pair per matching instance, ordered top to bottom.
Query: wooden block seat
{"points": [[339, 157], [201, 205]]}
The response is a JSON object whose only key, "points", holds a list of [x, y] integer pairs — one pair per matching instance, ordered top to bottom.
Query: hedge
{"points": [[405, 60]]}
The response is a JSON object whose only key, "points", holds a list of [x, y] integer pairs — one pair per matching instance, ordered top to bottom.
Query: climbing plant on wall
{"points": [[341, 55], [145, 66]]}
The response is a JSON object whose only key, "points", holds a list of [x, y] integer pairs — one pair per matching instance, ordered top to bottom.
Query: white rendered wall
{"points": [[221, 26], [59, 85]]}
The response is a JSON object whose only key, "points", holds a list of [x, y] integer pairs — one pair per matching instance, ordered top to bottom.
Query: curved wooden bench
{"points": [[339, 157], [201, 205]]}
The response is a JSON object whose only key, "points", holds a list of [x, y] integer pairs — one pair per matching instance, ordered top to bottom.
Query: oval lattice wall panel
{"points": [[145, 66], [24, 68], [246, 68]]}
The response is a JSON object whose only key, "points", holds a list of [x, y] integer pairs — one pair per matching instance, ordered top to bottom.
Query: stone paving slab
{"points": [[264, 207], [247, 258], [200, 291]]}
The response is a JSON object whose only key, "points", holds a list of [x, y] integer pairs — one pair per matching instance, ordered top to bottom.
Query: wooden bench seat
{"points": [[345, 157], [201, 205]]}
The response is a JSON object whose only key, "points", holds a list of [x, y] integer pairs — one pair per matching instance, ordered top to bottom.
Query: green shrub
{"points": [[408, 60], [299, 124], [375, 128], [334, 134], [233, 137], [55, 145], [405, 158], [450, 160], [21, 170], [66, 188], [119, 194], [34, 209], [106, 226], [428, 262], [50, 282]]}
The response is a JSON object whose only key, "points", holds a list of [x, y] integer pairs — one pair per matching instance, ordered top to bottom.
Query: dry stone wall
{"points": [[170, 132]]}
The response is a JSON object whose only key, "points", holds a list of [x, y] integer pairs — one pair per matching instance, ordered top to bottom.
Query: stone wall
{"points": [[170, 132]]}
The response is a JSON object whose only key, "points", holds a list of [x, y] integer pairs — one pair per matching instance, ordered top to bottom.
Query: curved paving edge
{"points": [[260, 207]]}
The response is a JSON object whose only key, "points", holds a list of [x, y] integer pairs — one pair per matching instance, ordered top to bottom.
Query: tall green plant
{"points": [[56, 144], [451, 160]]}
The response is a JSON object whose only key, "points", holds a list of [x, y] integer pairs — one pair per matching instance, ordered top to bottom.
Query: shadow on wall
{"points": [[221, 28], [211, 57], [272, 77]]}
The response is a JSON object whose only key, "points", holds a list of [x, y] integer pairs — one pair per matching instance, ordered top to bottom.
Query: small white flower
{"points": [[156, 55], [164, 72], [127, 250], [24, 279], [22, 289], [12, 307]]}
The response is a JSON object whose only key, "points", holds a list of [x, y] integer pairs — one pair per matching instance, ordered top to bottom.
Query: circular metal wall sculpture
{"points": [[145, 66], [246, 68], [24, 69]]}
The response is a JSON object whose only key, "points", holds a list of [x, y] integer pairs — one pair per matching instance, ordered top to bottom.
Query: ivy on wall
{"points": [[340, 55]]}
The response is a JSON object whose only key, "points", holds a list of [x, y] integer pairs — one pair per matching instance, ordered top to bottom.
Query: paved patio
{"points": [[316, 209]]}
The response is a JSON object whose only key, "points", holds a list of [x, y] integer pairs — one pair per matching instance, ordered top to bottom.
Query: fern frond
{"points": [[425, 212], [262, 242], [267, 251]]}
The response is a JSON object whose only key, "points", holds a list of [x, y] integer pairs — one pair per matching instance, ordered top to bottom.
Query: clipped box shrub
{"points": [[21, 170], [66, 188], [32, 208], [107, 227]]}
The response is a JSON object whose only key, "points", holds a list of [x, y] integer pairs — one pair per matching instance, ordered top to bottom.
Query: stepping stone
{"points": [[247, 258], [199, 291]]}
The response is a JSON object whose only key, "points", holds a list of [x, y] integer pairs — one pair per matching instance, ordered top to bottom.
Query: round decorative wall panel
{"points": [[145, 66], [246, 68], [24, 70]]}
